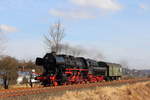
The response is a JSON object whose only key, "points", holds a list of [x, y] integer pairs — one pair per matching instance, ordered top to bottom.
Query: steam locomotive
{"points": [[66, 69]]}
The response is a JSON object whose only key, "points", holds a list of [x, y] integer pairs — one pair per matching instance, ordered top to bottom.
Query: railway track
{"points": [[38, 90]]}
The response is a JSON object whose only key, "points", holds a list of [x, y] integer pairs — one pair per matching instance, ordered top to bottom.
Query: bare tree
{"points": [[55, 36]]}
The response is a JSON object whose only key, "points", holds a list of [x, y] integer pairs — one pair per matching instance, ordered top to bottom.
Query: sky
{"points": [[119, 29]]}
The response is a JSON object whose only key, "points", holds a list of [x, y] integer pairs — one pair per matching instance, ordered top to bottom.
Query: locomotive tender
{"points": [[65, 69]]}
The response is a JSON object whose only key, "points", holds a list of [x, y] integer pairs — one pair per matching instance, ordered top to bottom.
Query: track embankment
{"points": [[39, 90]]}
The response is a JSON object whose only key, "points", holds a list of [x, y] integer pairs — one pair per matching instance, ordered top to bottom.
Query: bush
{"points": [[9, 64]]}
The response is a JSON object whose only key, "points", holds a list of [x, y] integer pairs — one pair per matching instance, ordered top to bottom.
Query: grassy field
{"points": [[138, 91]]}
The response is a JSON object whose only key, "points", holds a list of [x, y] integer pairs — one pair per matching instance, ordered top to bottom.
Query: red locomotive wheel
{"points": [[55, 83]]}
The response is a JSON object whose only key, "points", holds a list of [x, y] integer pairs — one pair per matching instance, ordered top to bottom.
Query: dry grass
{"points": [[15, 86], [20, 86], [1, 87], [138, 91]]}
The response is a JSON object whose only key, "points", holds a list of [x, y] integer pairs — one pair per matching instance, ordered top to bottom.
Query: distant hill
{"points": [[146, 72], [136, 73]]}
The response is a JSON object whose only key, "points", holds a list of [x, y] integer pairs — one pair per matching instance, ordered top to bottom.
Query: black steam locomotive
{"points": [[65, 69]]}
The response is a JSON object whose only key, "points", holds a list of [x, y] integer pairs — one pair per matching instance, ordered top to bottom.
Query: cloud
{"points": [[109, 5], [143, 6], [87, 9], [71, 14], [7, 28]]}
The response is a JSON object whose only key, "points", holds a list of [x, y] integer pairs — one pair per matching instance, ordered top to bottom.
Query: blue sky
{"points": [[117, 28]]}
